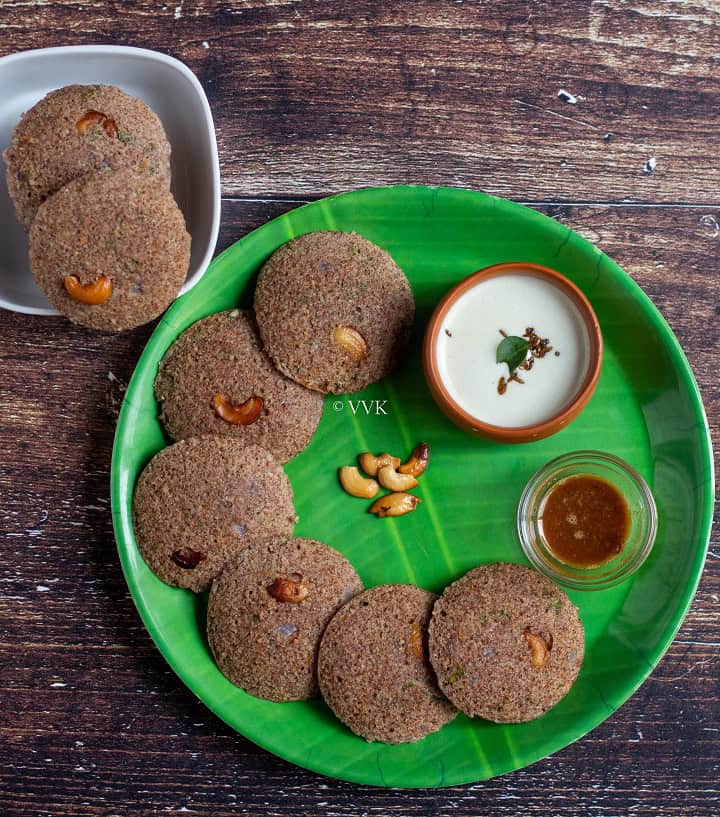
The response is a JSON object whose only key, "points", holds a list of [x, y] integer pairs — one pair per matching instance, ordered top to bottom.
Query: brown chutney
{"points": [[585, 521]]}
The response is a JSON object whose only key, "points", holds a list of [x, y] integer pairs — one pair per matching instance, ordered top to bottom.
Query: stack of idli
{"points": [[88, 170]]}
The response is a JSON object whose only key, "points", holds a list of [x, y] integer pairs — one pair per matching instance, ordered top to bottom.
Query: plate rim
{"points": [[705, 516]]}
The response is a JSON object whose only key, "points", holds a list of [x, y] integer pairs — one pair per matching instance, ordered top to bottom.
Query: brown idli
{"points": [[75, 131], [111, 228], [334, 311], [220, 358], [200, 501], [268, 610], [506, 643], [373, 668]]}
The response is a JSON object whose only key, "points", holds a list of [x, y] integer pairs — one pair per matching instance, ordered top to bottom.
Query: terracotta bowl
{"points": [[522, 434]]}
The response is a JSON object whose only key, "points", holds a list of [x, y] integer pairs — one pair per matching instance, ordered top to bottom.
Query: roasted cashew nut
{"points": [[91, 118], [93, 293], [351, 341], [237, 415], [417, 462], [372, 464], [389, 478], [355, 483], [397, 504], [187, 558], [289, 591], [416, 641], [539, 648]]}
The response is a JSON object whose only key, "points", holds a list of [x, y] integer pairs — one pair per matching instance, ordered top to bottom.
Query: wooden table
{"points": [[312, 98]]}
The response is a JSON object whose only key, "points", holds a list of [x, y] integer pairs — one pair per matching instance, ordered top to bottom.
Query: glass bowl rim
{"points": [[578, 581]]}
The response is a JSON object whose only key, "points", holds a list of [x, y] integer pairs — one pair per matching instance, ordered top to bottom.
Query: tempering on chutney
{"points": [[585, 521]]}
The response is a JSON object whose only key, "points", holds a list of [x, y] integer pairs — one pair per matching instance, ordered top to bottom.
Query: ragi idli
{"points": [[75, 131], [110, 251], [334, 311], [216, 378], [200, 501], [268, 610], [506, 643], [373, 667]]}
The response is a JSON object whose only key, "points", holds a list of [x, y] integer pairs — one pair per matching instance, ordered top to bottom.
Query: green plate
{"points": [[646, 409]]}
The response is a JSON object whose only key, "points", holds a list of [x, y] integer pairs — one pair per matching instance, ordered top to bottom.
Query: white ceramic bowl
{"points": [[170, 88]]}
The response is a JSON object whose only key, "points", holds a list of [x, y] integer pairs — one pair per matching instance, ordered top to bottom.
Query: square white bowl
{"points": [[170, 88]]}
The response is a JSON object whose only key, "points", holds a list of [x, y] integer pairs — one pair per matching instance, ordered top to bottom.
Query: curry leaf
{"points": [[512, 350]]}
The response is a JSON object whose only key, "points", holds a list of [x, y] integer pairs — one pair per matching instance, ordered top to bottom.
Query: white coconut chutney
{"points": [[470, 334]]}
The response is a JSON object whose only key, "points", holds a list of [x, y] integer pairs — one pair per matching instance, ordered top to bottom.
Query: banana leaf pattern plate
{"points": [[646, 409]]}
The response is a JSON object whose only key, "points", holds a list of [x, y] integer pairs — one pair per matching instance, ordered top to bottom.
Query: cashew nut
{"points": [[91, 118], [85, 122], [110, 127], [95, 292], [351, 341], [238, 415], [417, 462], [372, 464], [389, 478], [355, 483], [397, 504], [187, 558], [291, 591], [416, 641], [539, 648]]}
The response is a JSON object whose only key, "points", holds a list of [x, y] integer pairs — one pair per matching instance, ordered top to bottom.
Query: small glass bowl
{"points": [[643, 519]]}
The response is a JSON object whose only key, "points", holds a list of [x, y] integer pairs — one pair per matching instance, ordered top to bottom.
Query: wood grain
{"points": [[318, 97], [311, 98], [94, 723]]}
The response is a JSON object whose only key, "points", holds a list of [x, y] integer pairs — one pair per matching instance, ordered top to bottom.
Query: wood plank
{"points": [[312, 98], [94, 722]]}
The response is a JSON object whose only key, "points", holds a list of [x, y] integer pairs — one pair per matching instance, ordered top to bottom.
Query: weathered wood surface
{"points": [[317, 97], [311, 98]]}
